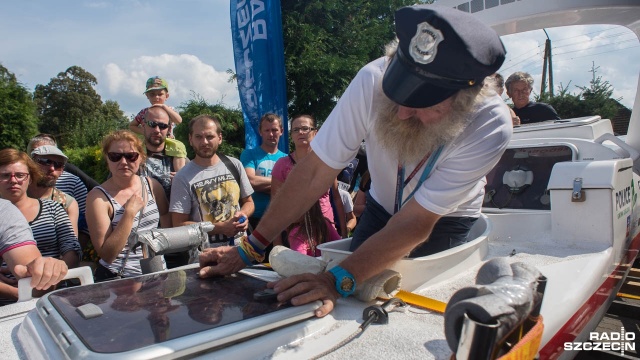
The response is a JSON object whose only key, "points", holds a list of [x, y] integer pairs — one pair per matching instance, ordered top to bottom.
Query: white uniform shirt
{"points": [[456, 184]]}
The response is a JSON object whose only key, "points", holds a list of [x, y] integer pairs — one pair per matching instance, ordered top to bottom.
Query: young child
{"points": [[157, 91], [311, 230]]}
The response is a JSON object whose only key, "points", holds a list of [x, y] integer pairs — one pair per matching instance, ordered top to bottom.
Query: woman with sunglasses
{"points": [[114, 207], [49, 223], [303, 235]]}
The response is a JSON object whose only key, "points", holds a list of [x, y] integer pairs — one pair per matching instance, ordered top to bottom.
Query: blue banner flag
{"points": [[256, 30]]}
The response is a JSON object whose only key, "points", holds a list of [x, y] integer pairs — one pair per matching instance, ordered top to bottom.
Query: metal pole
{"points": [[547, 58], [550, 70], [543, 83]]}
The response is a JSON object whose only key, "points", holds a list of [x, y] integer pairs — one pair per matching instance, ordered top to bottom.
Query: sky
{"points": [[188, 42]]}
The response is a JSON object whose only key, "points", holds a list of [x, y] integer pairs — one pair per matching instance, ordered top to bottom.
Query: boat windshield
{"points": [[155, 308]]}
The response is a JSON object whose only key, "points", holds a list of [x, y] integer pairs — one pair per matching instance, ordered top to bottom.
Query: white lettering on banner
{"points": [[257, 6], [246, 15], [259, 30], [248, 73]]}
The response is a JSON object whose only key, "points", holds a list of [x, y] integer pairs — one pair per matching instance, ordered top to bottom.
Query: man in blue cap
{"points": [[433, 131]]}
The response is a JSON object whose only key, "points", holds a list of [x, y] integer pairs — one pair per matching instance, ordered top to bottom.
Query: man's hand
{"points": [[516, 121], [232, 226], [240, 227], [226, 228], [220, 261], [44, 271], [306, 288]]}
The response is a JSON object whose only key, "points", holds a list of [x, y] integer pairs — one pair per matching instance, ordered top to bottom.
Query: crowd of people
{"points": [[433, 126]]}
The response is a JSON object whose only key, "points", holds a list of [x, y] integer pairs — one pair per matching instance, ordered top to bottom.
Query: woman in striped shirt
{"points": [[113, 207], [49, 221]]}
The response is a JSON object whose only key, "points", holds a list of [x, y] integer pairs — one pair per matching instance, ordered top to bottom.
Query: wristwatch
{"points": [[345, 282]]}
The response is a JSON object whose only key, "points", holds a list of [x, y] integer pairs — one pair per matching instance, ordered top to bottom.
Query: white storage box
{"points": [[586, 196]]}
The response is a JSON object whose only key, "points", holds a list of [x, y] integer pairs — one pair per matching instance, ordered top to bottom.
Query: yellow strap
{"points": [[628, 296], [421, 301]]}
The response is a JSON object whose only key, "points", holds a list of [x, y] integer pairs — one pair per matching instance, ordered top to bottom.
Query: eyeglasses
{"points": [[521, 91], [161, 126], [302, 129], [130, 156], [48, 162], [20, 176]]}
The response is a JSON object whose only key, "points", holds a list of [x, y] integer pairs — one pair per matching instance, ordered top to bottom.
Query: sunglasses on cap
{"points": [[161, 126], [130, 156], [48, 162]]}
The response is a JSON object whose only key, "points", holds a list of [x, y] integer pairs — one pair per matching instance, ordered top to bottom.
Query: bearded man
{"points": [[433, 131], [52, 161], [159, 165], [207, 188]]}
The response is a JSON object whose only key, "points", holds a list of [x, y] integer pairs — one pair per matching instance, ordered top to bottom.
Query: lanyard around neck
{"points": [[402, 182]]}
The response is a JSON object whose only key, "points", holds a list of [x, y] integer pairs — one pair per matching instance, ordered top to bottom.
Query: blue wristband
{"points": [[255, 247], [243, 256]]}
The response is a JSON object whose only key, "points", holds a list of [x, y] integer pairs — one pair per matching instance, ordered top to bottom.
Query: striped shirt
{"points": [[73, 185], [150, 220], [52, 230]]}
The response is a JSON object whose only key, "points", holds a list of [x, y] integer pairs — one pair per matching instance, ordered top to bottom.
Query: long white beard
{"points": [[409, 140]]}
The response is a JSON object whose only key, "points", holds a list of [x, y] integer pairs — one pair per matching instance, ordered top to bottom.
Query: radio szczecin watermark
{"points": [[612, 341]]}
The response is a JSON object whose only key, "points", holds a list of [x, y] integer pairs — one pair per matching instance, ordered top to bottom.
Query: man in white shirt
{"points": [[433, 132]]}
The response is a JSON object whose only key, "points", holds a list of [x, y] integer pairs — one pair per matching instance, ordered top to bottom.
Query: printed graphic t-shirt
{"points": [[208, 193]]}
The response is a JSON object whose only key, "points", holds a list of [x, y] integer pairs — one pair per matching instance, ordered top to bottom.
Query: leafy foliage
{"points": [[326, 42], [592, 100], [567, 105], [70, 108], [107, 118], [231, 119], [18, 120], [90, 160]]}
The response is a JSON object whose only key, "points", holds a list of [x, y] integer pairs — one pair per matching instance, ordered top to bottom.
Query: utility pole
{"points": [[547, 59], [593, 70]]}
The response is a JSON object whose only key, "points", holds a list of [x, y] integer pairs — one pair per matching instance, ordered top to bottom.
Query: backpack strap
{"points": [[232, 169]]}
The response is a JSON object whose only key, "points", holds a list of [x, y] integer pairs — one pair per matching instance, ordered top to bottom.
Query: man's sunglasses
{"points": [[161, 126], [130, 156], [48, 162]]}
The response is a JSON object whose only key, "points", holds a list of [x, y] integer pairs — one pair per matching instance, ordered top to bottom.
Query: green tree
{"points": [[326, 42], [597, 98], [592, 100], [66, 101], [567, 105], [70, 108], [107, 118], [231, 119], [18, 120]]}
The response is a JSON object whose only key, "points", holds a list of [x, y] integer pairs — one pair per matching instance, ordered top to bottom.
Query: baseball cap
{"points": [[441, 50], [156, 83], [48, 150]]}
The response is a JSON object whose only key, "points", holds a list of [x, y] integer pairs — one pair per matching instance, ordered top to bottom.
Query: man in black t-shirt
{"points": [[519, 86]]}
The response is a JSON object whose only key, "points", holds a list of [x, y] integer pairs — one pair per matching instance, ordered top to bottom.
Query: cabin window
{"points": [[521, 177]]}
